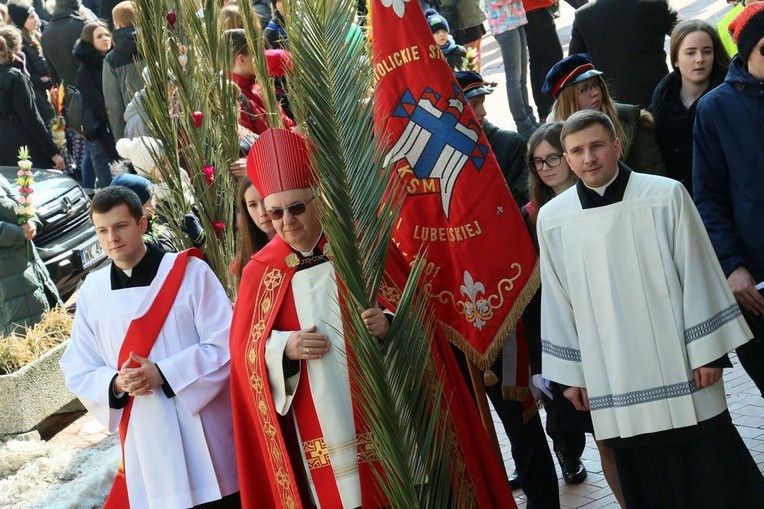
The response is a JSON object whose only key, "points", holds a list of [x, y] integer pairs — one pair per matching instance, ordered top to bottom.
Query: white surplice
{"points": [[634, 299], [316, 302], [179, 451]]}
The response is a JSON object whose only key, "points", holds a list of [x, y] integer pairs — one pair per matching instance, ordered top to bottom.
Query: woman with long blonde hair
{"points": [[576, 85]]}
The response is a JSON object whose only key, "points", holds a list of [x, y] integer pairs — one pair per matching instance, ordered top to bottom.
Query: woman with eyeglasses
{"points": [[700, 63], [576, 85], [549, 175]]}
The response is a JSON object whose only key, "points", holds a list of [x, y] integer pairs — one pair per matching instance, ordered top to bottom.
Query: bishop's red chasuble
{"points": [[284, 450]]}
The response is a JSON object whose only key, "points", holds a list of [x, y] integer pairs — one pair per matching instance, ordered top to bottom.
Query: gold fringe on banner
{"points": [[485, 361]]}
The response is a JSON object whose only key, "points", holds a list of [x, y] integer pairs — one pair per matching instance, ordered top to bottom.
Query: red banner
{"points": [[481, 262]]}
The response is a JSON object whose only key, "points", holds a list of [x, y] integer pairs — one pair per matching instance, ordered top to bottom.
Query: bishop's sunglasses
{"points": [[294, 209]]}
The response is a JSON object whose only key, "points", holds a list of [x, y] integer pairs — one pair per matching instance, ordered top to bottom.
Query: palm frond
{"points": [[256, 43], [184, 62], [399, 389]]}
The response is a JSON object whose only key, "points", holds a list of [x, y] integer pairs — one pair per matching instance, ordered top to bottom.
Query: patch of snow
{"points": [[37, 475]]}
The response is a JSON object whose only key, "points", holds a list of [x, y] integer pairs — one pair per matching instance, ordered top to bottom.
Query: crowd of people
{"points": [[642, 189]]}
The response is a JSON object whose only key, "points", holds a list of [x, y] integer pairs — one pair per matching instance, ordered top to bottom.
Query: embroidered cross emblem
{"points": [[316, 453]]}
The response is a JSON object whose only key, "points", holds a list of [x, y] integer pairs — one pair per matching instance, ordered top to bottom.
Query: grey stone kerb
{"points": [[34, 393]]}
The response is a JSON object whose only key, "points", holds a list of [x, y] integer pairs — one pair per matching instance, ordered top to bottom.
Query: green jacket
{"points": [[462, 14], [723, 28], [641, 152], [24, 281]]}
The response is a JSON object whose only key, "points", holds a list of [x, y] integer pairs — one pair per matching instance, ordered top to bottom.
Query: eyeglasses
{"points": [[585, 89], [551, 161], [295, 209]]}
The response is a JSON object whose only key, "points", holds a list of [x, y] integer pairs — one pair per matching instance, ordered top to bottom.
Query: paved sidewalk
{"points": [[745, 404]]}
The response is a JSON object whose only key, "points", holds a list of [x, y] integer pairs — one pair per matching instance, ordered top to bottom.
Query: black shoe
{"points": [[573, 470], [514, 481]]}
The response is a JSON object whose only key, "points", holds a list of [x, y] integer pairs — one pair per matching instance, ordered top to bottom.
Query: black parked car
{"points": [[67, 241]]}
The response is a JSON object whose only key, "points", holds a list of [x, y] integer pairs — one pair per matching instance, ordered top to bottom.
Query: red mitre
{"points": [[279, 161]]}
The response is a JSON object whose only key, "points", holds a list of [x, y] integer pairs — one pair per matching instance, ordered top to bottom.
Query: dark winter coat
{"points": [[41, 10], [105, 10], [275, 34], [625, 39], [58, 41], [454, 53], [37, 68], [121, 77], [89, 82], [20, 122], [673, 126], [509, 149], [640, 150], [728, 169], [26, 290]]}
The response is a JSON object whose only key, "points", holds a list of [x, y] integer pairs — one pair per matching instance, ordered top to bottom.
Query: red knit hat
{"points": [[748, 28], [280, 161]]}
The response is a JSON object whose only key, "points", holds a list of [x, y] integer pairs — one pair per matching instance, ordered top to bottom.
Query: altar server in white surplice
{"points": [[637, 319], [171, 385]]}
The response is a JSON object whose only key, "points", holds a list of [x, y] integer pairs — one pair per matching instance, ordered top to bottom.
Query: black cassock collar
{"points": [[613, 194], [143, 273]]}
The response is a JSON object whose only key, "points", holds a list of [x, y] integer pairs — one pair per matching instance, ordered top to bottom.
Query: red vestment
{"points": [[265, 447]]}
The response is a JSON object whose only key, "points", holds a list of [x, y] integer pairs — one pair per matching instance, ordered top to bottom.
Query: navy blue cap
{"points": [[571, 69]]}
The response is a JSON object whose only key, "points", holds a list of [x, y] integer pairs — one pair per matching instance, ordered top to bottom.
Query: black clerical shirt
{"points": [[142, 274]]}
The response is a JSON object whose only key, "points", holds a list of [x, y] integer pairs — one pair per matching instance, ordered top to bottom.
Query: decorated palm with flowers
{"points": [[56, 97], [25, 179]]}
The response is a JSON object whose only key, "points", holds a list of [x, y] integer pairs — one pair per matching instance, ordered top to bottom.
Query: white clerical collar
{"points": [[601, 190], [309, 253], [129, 272]]}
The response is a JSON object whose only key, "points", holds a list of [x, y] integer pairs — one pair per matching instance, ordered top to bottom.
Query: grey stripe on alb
{"points": [[712, 324], [561, 352], [643, 396]]}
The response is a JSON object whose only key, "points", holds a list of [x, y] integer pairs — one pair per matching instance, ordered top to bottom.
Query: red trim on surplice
{"points": [[139, 339]]}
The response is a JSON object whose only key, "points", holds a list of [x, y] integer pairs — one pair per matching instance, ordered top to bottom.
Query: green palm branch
{"points": [[187, 63], [399, 389]]}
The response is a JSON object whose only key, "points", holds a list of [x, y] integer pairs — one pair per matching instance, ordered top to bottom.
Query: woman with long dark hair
{"points": [[26, 19], [91, 48], [700, 63], [20, 122], [549, 173], [549, 176], [254, 226]]}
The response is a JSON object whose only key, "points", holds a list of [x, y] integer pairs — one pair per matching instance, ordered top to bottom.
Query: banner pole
{"points": [[485, 412]]}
